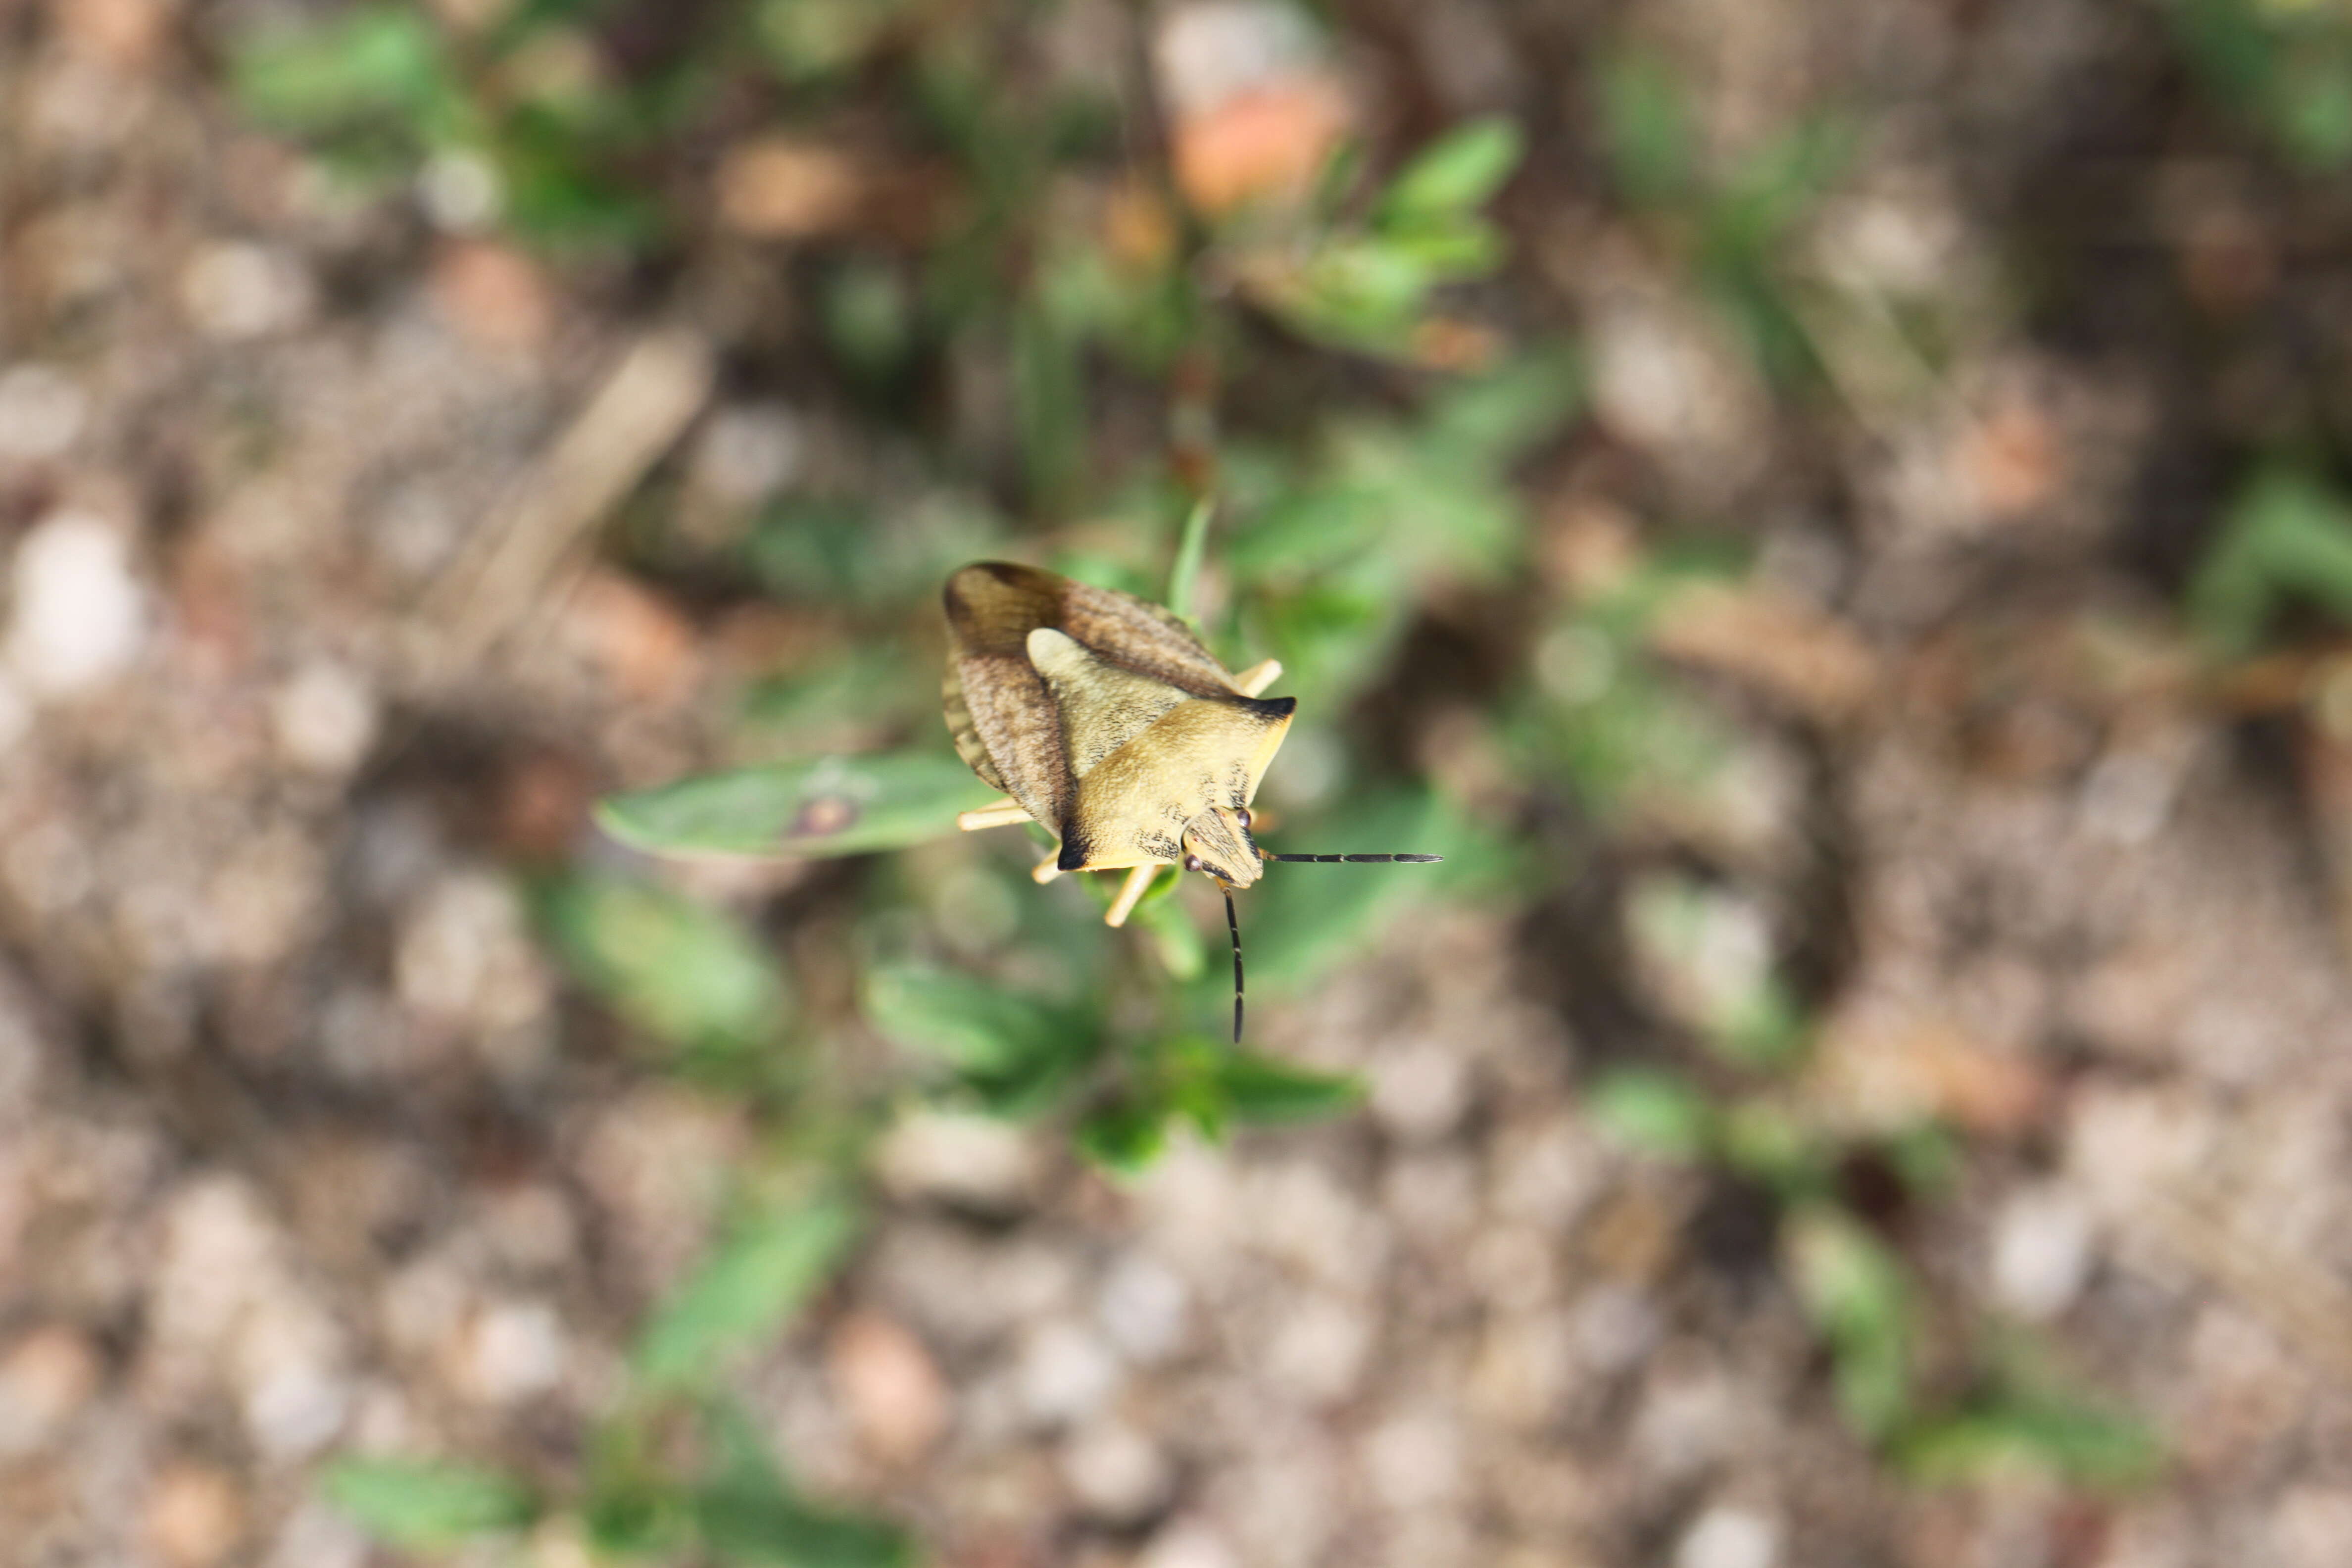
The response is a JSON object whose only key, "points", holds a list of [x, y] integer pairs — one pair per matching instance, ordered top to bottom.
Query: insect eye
{"points": [[1242, 816], [1192, 862]]}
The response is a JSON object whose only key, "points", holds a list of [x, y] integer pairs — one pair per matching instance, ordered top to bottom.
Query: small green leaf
{"points": [[375, 61], [1646, 126], [1459, 172], [2285, 534], [1191, 544], [838, 805], [1302, 919], [1175, 938], [685, 973], [1012, 1048], [1262, 1089], [1655, 1111], [1124, 1137], [1762, 1141], [1854, 1288], [745, 1289], [2088, 1447], [424, 1507], [747, 1513], [638, 1519]]}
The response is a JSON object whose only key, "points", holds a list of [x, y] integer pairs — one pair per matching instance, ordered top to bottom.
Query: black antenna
{"points": [[1356, 859], [1234, 926]]}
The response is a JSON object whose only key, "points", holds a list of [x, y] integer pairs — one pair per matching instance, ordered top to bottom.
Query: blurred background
{"points": [[1832, 516]]}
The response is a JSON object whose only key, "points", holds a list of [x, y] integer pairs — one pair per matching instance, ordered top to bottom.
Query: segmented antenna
{"points": [[1356, 859], [1234, 927]]}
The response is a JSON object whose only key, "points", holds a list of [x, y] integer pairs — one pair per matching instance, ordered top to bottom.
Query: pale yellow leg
{"points": [[1258, 677], [1004, 814], [1046, 871], [1130, 892]]}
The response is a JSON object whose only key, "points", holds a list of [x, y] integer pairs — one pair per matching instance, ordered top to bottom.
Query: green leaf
{"points": [[806, 39], [373, 61], [1646, 126], [1454, 174], [866, 314], [1490, 421], [2286, 533], [1192, 543], [837, 806], [1302, 919], [1175, 938], [683, 972], [1014, 1049], [1262, 1088], [1655, 1111], [1124, 1137], [1763, 1141], [1854, 1288], [744, 1291], [2088, 1447], [426, 1507], [747, 1513], [636, 1518]]}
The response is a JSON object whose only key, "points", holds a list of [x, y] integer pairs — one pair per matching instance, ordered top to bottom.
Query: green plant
{"points": [[2284, 67], [1728, 222], [2285, 537]]}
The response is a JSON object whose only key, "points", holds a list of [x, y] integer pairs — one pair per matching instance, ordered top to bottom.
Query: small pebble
{"points": [[460, 191], [234, 290], [42, 410], [748, 451], [79, 615], [324, 718], [1420, 1093], [945, 1156], [2041, 1253], [1145, 1309], [1318, 1349], [512, 1351], [1066, 1373], [46, 1378], [890, 1386], [295, 1409], [1414, 1461], [1118, 1476], [195, 1515], [2311, 1527], [316, 1535], [1730, 1537], [1188, 1543]]}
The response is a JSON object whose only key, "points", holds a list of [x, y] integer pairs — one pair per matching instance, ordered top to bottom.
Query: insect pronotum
{"points": [[1103, 718]]}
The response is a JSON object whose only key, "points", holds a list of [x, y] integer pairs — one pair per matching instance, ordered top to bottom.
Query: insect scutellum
{"points": [[1103, 719]]}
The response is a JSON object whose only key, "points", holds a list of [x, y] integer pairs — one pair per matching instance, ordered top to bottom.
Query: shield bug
{"points": [[1103, 718]]}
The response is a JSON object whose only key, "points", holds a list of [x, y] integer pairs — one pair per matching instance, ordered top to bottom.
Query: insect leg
{"points": [[1258, 677], [1004, 814], [1046, 871], [1130, 892]]}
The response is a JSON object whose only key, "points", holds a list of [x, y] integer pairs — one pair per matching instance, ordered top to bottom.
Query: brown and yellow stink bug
{"points": [[1105, 720]]}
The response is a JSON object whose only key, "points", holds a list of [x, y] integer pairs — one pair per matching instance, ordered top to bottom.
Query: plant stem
{"points": [[1190, 547]]}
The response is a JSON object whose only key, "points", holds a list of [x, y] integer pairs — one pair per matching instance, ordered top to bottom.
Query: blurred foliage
{"points": [[2285, 65], [1728, 222], [1367, 284], [2285, 537], [835, 806], [689, 975], [749, 1285], [428, 1507]]}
